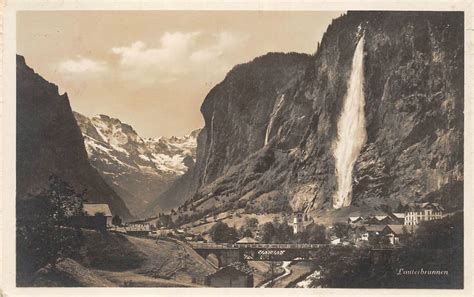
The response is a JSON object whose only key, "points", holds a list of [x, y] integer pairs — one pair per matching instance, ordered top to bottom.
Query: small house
{"points": [[96, 216], [374, 230], [394, 233], [234, 275]]}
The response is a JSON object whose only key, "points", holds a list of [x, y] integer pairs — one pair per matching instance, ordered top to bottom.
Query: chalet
{"points": [[417, 212], [96, 216], [374, 230], [394, 233], [234, 275]]}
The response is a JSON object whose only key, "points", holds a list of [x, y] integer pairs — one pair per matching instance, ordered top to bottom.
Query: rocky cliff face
{"points": [[413, 90], [50, 142], [138, 169]]}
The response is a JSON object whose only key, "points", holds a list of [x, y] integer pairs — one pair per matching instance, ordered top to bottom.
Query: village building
{"points": [[417, 212], [96, 216], [300, 221], [138, 229], [374, 230], [394, 233], [234, 275]]}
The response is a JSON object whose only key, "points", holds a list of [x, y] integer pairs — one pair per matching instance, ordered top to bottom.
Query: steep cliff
{"points": [[271, 126], [50, 142]]}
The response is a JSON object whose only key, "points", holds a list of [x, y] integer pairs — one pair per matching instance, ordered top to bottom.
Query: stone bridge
{"points": [[228, 253]]}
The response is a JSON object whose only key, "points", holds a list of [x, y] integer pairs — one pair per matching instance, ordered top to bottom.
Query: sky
{"points": [[153, 69]]}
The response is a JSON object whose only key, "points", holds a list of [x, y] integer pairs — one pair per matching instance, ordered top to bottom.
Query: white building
{"points": [[416, 212], [300, 221]]}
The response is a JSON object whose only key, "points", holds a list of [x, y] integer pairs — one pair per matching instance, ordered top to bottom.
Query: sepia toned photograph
{"points": [[239, 149]]}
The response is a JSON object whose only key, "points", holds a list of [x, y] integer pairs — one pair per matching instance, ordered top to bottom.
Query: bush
{"points": [[222, 233]]}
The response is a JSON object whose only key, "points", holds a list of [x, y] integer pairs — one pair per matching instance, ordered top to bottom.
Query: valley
{"points": [[323, 170]]}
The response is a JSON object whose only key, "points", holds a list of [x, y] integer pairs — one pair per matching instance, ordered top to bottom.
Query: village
{"points": [[387, 227], [388, 230]]}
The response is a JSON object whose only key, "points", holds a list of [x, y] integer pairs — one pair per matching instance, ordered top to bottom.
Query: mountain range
{"points": [[137, 168]]}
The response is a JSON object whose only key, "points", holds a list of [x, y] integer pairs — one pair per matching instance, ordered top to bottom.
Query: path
{"points": [[272, 281]]}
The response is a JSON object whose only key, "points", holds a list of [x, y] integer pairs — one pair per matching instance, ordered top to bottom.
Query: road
{"points": [[272, 281], [306, 283]]}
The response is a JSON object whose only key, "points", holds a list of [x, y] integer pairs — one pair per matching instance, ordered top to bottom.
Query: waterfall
{"points": [[276, 109], [351, 133], [211, 145]]}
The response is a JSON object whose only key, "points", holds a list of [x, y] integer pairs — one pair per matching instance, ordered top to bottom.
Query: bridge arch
{"points": [[214, 259]]}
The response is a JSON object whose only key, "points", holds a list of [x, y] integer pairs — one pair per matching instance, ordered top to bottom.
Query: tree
{"points": [[117, 220], [165, 221], [251, 222], [46, 230], [341, 230], [245, 232], [268, 232], [222, 233], [313, 233]]}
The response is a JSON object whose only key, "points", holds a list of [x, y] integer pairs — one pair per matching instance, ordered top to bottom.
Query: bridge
{"points": [[228, 253]]}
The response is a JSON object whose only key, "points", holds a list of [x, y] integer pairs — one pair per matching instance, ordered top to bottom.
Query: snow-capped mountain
{"points": [[137, 168]]}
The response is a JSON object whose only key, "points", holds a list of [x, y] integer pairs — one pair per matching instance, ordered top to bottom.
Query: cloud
{"points": [[223, 41], [178, 54], [81, 65]]}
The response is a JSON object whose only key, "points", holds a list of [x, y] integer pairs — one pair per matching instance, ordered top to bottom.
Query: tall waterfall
{"points": [[276, 109], [351, 133], [211, 146]]}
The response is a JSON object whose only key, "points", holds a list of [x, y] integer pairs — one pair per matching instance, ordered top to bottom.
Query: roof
{"points": [[418, 206], [91, 209], [399, 215], [381, 217], [352, 219], [375, 228], [396, 229], [247, 240]]}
